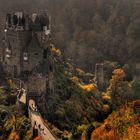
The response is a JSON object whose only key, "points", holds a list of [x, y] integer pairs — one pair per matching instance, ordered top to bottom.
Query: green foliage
{"points": [[119, 90], [1, 91], [69, 105], [4, 109], [18, 124], [81, 128]]}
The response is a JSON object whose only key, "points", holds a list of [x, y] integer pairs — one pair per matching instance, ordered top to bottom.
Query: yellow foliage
{"points": [[56, 51], [79, 71], [75, 79], [12, 84], [88, 87], [106, 97], [81, 128], [55, 129], [29, 133], [67, 134]]}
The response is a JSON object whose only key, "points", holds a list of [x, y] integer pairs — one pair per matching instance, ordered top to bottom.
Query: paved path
{"points": [[36, 119], [38, 123]]}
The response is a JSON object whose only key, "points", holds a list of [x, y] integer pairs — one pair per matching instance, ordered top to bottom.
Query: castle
{"points": [[26, 50]]}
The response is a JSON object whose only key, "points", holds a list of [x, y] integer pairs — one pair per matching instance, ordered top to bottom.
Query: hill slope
{"points": [[123, 124]]}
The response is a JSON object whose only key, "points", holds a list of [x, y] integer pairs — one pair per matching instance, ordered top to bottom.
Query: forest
{"points": [[93, 31], [86, 33]]}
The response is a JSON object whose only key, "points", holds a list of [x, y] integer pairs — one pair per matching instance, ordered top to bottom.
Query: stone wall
{"points": [[37, 83]]}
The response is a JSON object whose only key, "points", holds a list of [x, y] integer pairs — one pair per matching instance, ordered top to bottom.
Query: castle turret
{"points": [[23, 47], [99, 74]]}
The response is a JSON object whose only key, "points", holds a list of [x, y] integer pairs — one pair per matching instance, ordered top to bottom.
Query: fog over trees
{"points": [[87, 32], [90, 32]]}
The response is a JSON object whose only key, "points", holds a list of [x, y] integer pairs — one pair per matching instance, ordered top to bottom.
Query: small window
{"points": [[8, 52], [45, 53], [8, 55], [25, 56]]}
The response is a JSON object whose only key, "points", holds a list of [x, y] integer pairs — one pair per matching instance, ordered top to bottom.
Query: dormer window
{"points": [[25, 56]]}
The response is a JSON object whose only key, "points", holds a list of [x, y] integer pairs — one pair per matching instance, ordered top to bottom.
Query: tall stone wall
{"points": [[99, 74]]}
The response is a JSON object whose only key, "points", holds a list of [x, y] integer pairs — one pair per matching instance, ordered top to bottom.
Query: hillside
{"points": [[90, 32], [85, 33], [72, 102], [68, 105], [123, 124]]}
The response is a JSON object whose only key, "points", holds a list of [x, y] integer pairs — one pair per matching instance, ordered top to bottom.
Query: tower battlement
{"points": [[20, 21], [26, 39]]}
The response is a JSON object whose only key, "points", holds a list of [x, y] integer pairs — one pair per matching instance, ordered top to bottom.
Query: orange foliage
{"points": [[118, 73], [75, 79], [88, 87], [106, 97], [106, 107], [120, 125], [55, 129], [100, 134], [13, 136], [37, 138]]}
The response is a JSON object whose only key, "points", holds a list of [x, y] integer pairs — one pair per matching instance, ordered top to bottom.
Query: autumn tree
{"points": [[118, 88]]}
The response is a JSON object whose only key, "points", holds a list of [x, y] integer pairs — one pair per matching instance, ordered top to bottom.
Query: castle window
{"points": [[46, 30], [8, 52], [45, 53], [8, 56], [25, 56]]}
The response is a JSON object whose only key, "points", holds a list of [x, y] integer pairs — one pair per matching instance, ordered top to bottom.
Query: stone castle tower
{"points": [[24, 42], [26, 50], [99, 74]]}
